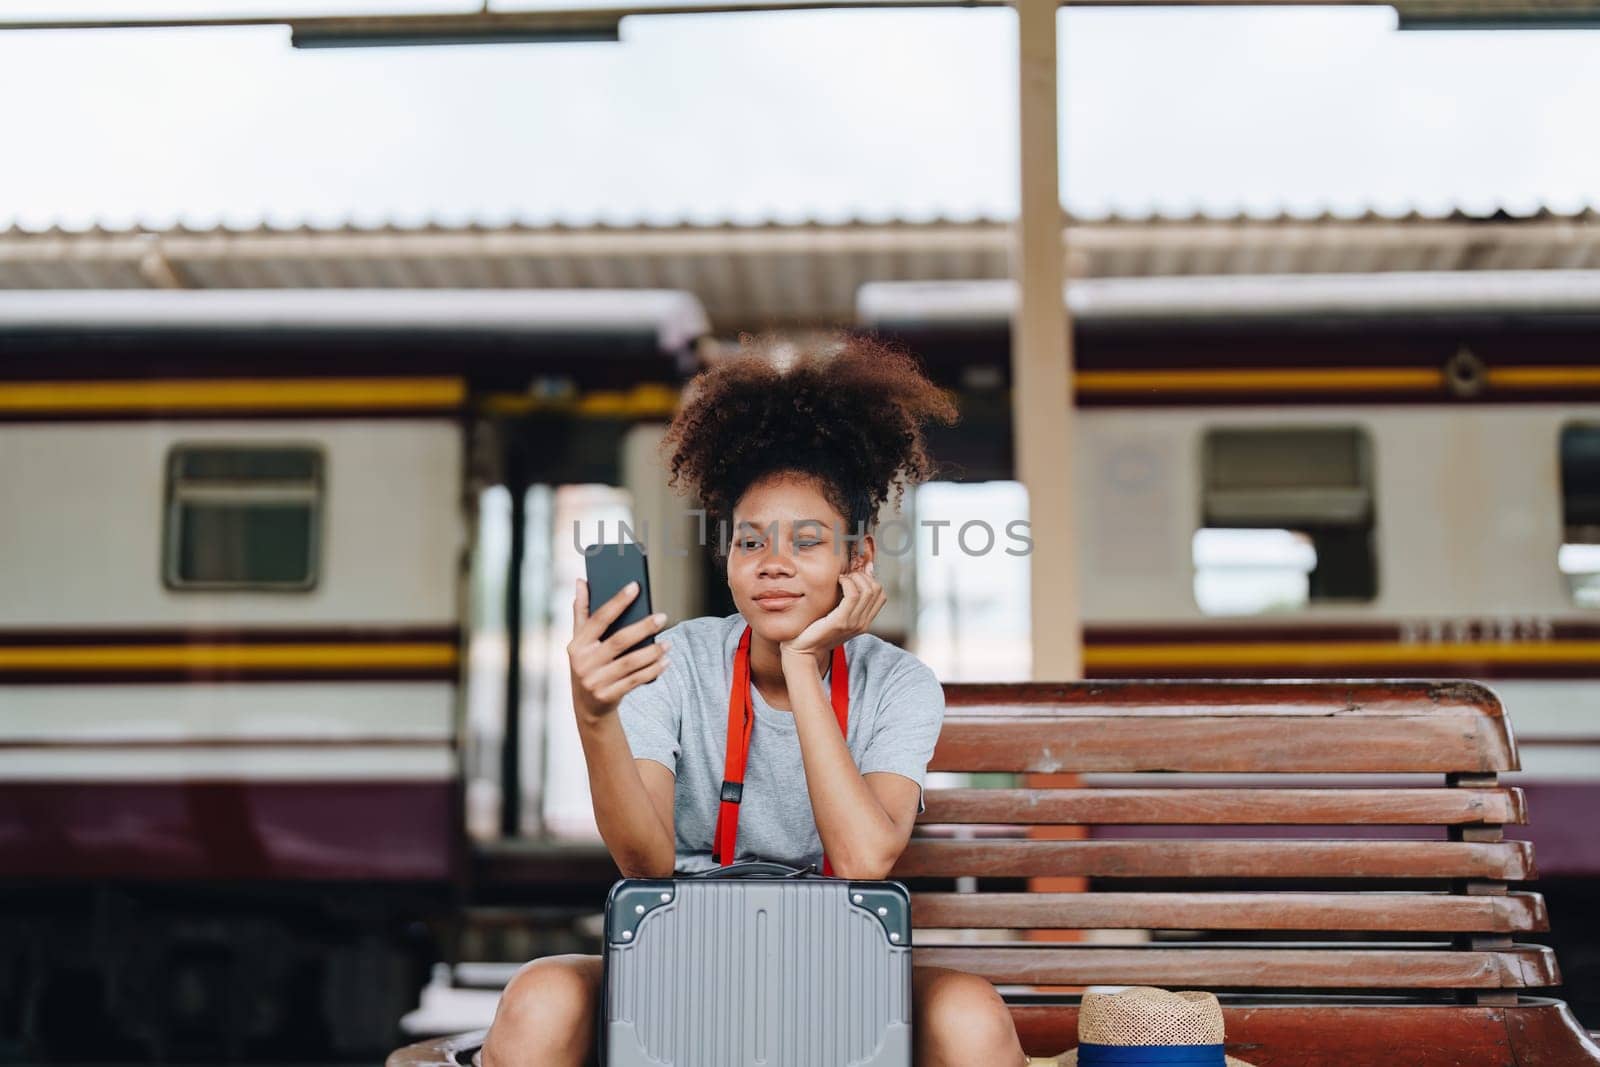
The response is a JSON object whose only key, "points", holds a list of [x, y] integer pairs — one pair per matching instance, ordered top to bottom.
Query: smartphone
{"points": [[610, 567]]}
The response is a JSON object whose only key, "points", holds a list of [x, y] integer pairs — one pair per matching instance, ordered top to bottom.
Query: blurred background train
{"points": [[280, 561]]}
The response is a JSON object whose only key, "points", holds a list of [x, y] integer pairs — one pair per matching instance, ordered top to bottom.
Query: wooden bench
{"points": [[1356, 922]]}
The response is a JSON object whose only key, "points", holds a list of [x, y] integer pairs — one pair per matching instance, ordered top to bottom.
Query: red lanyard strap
{"points": [[741, 721]]}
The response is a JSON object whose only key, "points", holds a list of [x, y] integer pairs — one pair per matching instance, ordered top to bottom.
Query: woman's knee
{"points": [[547, 1009], [961, 1019]]}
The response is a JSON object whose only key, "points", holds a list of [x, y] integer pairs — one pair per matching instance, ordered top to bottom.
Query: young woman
{"points": [[795, 461]]}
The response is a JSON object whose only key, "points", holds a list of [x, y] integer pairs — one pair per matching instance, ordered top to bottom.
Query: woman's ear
{"points": [[865, 553]]}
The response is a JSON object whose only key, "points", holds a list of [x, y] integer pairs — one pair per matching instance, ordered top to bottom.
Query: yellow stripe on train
{"points": [[1413, 379], [241, 394], [1333, 653], [419, 655]]}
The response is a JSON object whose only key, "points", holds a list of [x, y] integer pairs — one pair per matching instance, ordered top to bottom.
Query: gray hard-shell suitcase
{"points": [[757, 963]]}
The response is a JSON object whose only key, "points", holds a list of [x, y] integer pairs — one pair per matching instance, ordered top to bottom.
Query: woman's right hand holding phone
{"points": [[602, 674]]}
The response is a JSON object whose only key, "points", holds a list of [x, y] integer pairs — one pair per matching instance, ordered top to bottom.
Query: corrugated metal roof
{"points": [[779, 273]]}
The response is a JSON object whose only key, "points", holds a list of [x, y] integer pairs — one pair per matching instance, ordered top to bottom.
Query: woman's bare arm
{"points": [[864, 820], [634, 822]]}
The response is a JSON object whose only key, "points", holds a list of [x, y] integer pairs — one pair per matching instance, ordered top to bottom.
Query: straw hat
{"points": [[1142, 1015]]}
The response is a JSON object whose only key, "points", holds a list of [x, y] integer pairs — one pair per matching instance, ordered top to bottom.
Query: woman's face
{"points": [[785, 556]]}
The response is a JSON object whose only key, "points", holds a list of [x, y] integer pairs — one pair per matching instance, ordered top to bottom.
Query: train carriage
{"points": [[237, 527]]}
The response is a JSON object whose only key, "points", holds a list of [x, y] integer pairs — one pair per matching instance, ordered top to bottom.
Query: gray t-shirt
{"points": [[680, 720]]}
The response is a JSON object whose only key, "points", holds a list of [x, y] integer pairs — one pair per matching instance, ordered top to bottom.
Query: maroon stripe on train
{"points": [[1427, 342], [1310, 343], [1190, 348], [489, 360], [1161, 398], [133, 413], [208, 415], [1228, 632], [1232, 633], [1453, 633], [221, 635], [145, 636], [1419, 668], [195, 676], [1560, 741], [139, 743], [1561, 819], [228, 831]]}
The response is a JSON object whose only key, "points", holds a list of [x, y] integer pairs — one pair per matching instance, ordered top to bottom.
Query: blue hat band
{"points": [[1091, 1055]]}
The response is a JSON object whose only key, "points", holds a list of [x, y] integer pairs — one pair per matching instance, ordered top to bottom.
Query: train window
{"points": [[242, 517], [1287, 520], [1579, 555], [1248, 572]]}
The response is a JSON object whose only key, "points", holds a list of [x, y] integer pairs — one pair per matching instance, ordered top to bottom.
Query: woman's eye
{"points": [[807, 544], [750, 546]]}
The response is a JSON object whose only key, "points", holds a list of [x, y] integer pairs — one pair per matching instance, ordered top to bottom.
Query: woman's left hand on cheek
{"points": [[863, 598]]}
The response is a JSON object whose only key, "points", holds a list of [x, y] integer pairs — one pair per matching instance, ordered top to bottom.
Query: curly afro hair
{"points": [[847, 412]]}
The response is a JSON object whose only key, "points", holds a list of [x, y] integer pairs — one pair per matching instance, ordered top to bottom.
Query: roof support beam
{"points": [[1041, 358]]}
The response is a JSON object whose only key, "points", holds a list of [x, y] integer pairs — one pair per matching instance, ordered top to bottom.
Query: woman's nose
{"points": [[774, 561]]}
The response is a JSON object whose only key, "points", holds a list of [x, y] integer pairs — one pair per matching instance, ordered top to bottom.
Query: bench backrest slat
{"points": [[1280, 727], [1201, 806], [1195, 858], [1396, 912], [1218, 967]]}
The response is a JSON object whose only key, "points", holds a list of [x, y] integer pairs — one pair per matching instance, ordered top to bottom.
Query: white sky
{"points": [[789, 116]]}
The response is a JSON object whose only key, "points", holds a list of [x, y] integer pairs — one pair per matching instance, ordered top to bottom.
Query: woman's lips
{"points": [[777, 603]]}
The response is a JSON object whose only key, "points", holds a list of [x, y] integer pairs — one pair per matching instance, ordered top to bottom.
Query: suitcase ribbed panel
{"points": [[781, 974]]}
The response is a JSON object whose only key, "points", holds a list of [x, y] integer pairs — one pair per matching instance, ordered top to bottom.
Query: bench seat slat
{"points": [[1423, 743], [1169, 806], [1189, 858], [1419, 912], [1255, 966], [1533, 1032]]}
